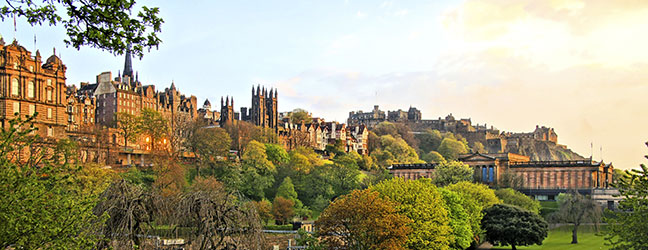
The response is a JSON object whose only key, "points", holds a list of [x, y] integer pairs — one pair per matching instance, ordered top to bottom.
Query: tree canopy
{"points": [[107, 26], [446, 173], [513, 197], [575, 208], [510, 225]]}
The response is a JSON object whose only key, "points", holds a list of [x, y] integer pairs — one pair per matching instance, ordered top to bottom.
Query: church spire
{"points": [[128, 64]]}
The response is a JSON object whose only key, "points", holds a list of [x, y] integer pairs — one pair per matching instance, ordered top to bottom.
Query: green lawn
{"points": [[560, 238]]}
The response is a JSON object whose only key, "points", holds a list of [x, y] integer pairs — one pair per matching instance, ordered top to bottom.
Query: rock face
{"points": [[539, 150]]}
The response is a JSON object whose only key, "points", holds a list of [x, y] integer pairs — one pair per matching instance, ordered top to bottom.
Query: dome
{"points": [[53, 60], [207, 103]]}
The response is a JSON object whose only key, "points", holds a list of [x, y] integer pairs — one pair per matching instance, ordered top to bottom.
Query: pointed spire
{"points": [[128, 64], [137, 76], [173, 85], [252, 89], [258, 89], [276, 93], [227, 100], [221, 101], [232, 102]]}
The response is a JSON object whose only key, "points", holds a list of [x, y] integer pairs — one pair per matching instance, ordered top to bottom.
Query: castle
{"points": [[263, 112]]}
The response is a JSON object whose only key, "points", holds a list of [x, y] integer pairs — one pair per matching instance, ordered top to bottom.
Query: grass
{"points": [[560, 238]]}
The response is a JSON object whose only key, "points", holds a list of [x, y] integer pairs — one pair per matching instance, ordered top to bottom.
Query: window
{"points": [[31, 68], [49, 82], [14, 86], [30, 89], [49, 95], [16, 107], [32, 109], [49, 113], [50, 131]]}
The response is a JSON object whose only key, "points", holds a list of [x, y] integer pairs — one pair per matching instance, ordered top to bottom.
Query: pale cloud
{"points": [[386, 4], [402, 12], [361, 15], [342, 43]]}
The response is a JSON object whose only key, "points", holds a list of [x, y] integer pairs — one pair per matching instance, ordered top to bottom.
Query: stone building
{"points": [[28, 87], [80, 110], [264, 110], [227, 112], [211, 117], [371, 119]]}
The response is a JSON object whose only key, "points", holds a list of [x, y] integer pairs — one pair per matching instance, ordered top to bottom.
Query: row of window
{"points": [[31, 93], [32, 110]]}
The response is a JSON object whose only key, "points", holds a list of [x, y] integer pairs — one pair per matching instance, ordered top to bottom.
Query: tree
{"points": [[94, 23], [300, 115], [153, 124], [128, 126], [429, 140], [207, 144], [478, 147], [450, 149], [393, 151], [276, 154], [433, 157], [257, 171], [446, 173], [170, 175], [509, 179], [287, 190], [475, 198], [515, 198], [421, 202], [43, 203], [575, 208], [264, 209], [283, 210], [458, 219], [363, 220], [510, 225], [628, 228]]}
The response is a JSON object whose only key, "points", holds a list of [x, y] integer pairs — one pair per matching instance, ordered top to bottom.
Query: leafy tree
{"points": [[94, 23], [300, 115], [153, 124], [128, 126], [429, 140], [374, 142], [208, 144], [478, 147], [336, 149], [450, 149], [395, 151], [276, 154], [433, 157], [257, 171], [452, 172], [170, 175], [509, 179], [287, 190], [475, 198], [515, 198], [43, 203], [422, 203], [320, 204], [575, 208], [264, 209], [283, 210], [458, 219], [363, 220], [510, 225], [628, 228]]}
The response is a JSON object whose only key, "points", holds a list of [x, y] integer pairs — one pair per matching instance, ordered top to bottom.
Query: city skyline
{"points": [[575, 66]]}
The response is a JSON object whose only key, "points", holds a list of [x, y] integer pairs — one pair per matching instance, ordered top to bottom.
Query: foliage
{"points": [[94, 23], [300, 115], [153, 124], [128, 126], [397, 130], [429, 140], [207, 144], [478, 147], [336, 148], [450, 149], [394, 151], [276, 154], [433, 157], [257, 171], [446, 173], [170, 176], [374, 177], [508, 179], [287, 190], [475, 198], [515, 198], [43, 202], [421, 202], [320, 204], [575, 208], [283, 210], [458, 219], [363, 220], [510, 225], [287, 227], [628, 229], [306, 239]]}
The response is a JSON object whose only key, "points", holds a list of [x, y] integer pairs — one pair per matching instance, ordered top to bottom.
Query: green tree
{"points": [[94, 23], [300, 115], [153, 124], [128, 126], [429, 140], [207, 144], [478, 147], [450, 149], [395, 151], [276, 154], [433, 157], [257, 171], [447, 173], [287, 190], [513, 197], [475, 198], [43, 203], [422, 203], [575, 208], [264, 209], [458, 219], [363, 220], [510, 225], [628, 228]]}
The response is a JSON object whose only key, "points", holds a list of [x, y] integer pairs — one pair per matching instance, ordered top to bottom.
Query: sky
{"points": [[580, 67]]}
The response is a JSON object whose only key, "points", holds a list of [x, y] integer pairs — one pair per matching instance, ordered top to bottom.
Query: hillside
{"points": [[543, 150]]}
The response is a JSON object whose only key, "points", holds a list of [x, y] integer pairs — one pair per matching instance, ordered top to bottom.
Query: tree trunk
{"points": [[574, 234], [513, 247]]}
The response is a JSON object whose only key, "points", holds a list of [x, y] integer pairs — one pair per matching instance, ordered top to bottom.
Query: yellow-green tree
{"points": [[128, 126], [257, 170], [475, 198], [422, 203], [363, 220]]}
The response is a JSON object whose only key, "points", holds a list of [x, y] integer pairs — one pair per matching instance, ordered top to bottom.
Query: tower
{"points": [[227, 111]]}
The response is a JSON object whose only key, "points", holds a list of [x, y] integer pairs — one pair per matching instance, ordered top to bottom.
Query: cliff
{"points": [[542, 150]]}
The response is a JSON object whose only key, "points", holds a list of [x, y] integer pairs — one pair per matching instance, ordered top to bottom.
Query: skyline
{"points": [[576, 66]]}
